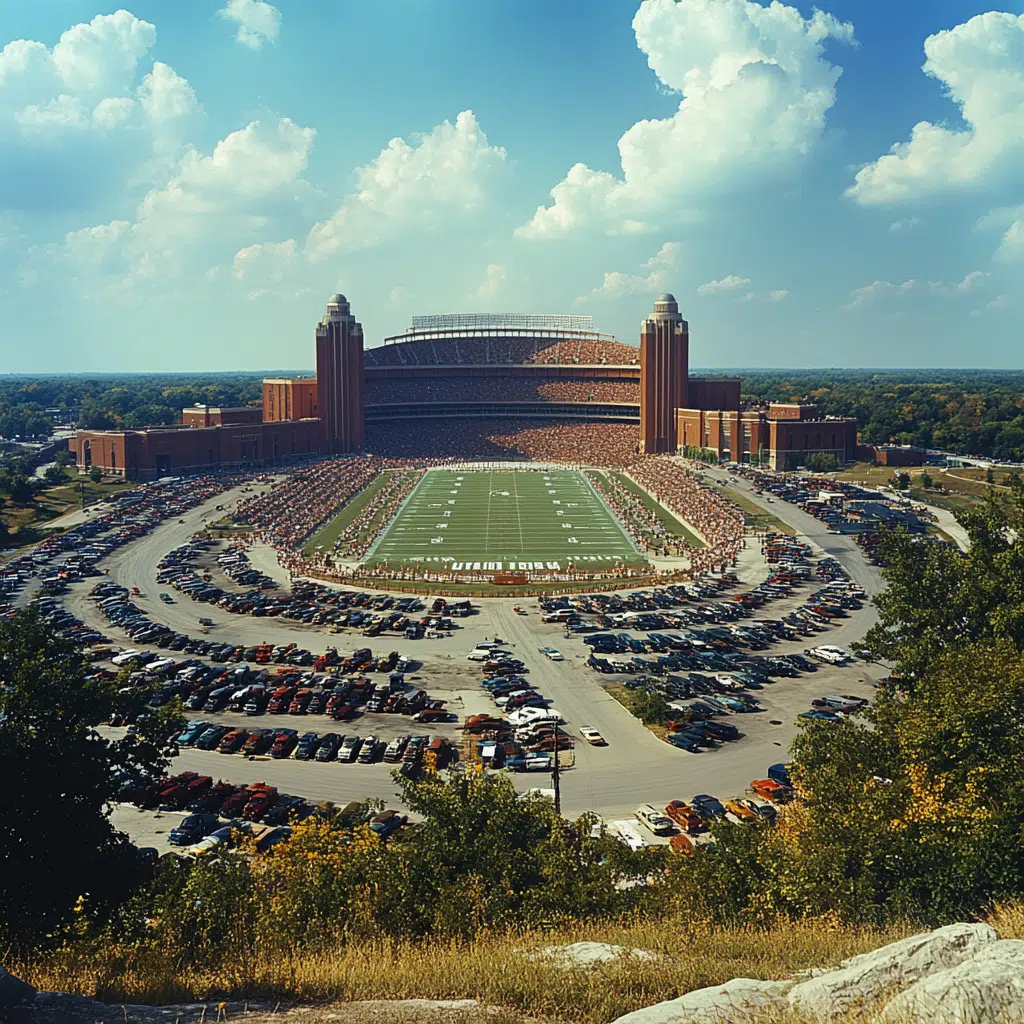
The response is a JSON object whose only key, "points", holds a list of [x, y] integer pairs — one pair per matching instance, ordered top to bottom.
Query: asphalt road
{"points": [[634, 768]]}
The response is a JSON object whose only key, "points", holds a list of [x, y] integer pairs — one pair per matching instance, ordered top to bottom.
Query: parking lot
{"points": [[635, 767]]}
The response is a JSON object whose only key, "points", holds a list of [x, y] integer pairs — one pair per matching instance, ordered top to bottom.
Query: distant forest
{"points": [[978, 412]]}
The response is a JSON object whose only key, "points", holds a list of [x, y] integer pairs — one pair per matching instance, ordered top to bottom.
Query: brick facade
{"points": [[289, 398], [168, 451]]}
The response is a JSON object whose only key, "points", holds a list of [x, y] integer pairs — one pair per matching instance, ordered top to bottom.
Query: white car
{"points": [[551, 653], [832, 655], [524, 716], [591, 735]]}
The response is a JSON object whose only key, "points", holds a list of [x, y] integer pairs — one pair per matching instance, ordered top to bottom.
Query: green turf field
{"points": [[504, 520]]}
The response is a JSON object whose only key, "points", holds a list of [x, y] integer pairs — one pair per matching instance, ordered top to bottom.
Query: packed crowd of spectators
{"points": [[490, 351], [499, 389], [434, 442], [288, 513], [718, 520], [640, 522], [355, 540]]}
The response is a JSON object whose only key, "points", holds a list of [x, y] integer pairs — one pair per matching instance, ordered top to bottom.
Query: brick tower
{"points": [[664, 369], [339, 377]]}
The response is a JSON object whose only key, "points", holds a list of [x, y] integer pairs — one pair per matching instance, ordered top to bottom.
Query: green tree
{"points": [[64, 457], [822, 462], [96, 474], [54, 475], [990, 476], [901, 480], [926, 480], [938, 599], [650, 707], [60, 777]]}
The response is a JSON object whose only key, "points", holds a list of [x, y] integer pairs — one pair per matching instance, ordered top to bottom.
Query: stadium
{"points": [[486, 445]]}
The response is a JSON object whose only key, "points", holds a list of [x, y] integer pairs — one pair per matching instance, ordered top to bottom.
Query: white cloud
{"points": [[258, 22], [100, 57], [981, 65], [755, 93], [164, 95], [82, 119], [444, 177], [211, 203], [908, 224], [1012, 245], [493, 283], [732, 283], [616, 284], [958, 287], [880, 290], [871, 293], [996, 305]]}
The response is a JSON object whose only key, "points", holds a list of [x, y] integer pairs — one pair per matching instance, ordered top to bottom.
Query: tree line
{"points": [[117, 401], [963, 411]]}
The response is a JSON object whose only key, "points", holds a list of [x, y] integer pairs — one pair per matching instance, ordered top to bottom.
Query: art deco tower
{"points": [[664, 371], [339, 376]]}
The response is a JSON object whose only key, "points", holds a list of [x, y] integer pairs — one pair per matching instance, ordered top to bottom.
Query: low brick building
{"points": [[781, 436], [167, 451], [899, 455]]}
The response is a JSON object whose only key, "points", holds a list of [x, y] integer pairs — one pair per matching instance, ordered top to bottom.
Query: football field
{"points": [[504, 520]]}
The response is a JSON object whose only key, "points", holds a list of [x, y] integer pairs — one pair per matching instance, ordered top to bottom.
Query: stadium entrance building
{"points": [[524, 368]]}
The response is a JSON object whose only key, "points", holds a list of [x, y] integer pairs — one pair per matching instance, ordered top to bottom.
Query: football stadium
{"points": [[484, 445]]}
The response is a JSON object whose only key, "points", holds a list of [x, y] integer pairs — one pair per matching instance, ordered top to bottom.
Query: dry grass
{"points": [[490, 969]]}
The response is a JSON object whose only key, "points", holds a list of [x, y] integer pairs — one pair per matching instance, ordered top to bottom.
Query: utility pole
{"points": [[554, 774]]}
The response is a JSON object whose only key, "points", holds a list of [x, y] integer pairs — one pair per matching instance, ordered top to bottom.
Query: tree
{"points": [[64, 457], [822, 462], [96, 474], [54, 475], [990, 477], [926, 480], [902, 481], [937, 599], [650, 707], [60, 777]]}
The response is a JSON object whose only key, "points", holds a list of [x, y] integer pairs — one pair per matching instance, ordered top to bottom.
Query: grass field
{"points": [[504, 520], [674, 526], [325, 537]]}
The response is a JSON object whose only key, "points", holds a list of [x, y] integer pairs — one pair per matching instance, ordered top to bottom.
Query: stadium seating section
{"points": [[497, 351], [499, 389]]}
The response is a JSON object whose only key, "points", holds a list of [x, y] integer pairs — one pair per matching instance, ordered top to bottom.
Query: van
{"points": [[478, 655]]}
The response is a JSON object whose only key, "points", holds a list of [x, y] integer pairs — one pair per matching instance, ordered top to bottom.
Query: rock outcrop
{"points": [[961, 974], [867, 978], [987, 987]]}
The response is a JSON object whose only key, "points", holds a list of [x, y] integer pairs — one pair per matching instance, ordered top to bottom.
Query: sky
{"points": [[183, 183]]}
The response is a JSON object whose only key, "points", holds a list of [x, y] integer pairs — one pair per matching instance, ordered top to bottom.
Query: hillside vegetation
{"points": [[908, 819]]}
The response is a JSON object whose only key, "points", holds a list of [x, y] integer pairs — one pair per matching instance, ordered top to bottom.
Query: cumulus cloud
{"points": [[258, 22], [980, 63], [755, 90], [70, 114], [443, 177], [211, 202], [908, 224], [975, 277], [493, 283], [732, 283], [616, 284], [877, 291], [871, 293], [996, 305]]}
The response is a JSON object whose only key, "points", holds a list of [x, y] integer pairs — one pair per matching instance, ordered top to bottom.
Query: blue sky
{"points": [[184, 183]]}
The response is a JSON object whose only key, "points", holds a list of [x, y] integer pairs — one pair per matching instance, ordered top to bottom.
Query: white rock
{"points": [[589, 954], [871, 976], [987, 989], [735, 1002]]}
